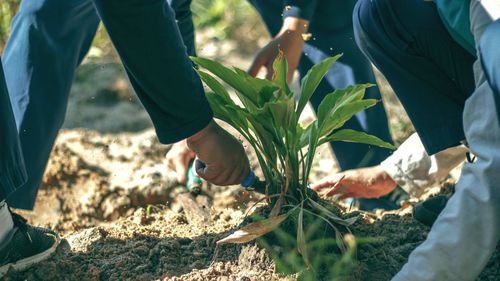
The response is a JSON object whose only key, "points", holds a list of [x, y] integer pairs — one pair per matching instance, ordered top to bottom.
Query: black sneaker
{"points": [[428, 211], [26, 245]]}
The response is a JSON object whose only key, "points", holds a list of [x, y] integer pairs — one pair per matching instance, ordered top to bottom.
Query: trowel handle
{"points": [[194, 182]]}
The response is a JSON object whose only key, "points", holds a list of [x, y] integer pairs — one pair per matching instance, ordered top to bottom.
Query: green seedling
{"points": [[267, 116]]}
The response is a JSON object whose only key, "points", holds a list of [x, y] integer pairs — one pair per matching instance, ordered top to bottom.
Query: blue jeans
{"points": [[332, 30], [49, 39], [12, 171]]}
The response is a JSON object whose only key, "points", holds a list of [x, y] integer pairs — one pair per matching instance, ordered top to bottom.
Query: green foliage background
{"points": [[8, 9], [228, 18]]}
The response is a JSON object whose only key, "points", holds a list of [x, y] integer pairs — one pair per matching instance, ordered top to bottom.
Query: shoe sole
{"points": [[30, 261]]}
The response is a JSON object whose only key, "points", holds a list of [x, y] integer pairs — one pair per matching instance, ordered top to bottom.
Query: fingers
{"points": [[257, 64], [270, 72], [178, 159], [181, 169], [223, 176], [328, 182], [321, 185]]}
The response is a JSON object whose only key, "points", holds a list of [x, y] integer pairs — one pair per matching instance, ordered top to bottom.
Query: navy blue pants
{"points": [[332, 30], [49, 38], [431, 74], [40, 78], [12, 171]]}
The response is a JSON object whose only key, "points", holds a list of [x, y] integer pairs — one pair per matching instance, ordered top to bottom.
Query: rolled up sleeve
{"points": [[414, 170]]}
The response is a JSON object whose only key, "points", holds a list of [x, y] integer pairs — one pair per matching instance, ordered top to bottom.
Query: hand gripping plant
{"points": [[268, 118]]}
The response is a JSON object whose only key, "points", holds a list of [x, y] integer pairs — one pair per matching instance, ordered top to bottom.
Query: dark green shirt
{"points": [[455, 15]]}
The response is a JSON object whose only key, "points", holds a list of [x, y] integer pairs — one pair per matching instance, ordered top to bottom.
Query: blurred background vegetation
{"points": [[8, 9], [226, 19], [230, 31]]}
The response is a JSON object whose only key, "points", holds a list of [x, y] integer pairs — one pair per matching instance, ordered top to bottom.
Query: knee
{"points": [[362, 18]]}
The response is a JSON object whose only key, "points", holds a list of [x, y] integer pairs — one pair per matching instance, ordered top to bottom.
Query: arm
{"points": [[297, 15], [289, 40], [149, 43], [409, 166]]}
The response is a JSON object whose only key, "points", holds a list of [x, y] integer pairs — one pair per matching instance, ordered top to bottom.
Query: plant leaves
{"points": [[280, 68], [312, 79], [213, 84], [265, 89], [244, 90], [339, 98], [342, 114], [348, 135], [277, 207], [331, 215], [253, 231], [301, 239]]}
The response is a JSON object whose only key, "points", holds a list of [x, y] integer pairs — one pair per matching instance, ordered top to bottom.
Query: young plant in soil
{"points": [[268, 117]]}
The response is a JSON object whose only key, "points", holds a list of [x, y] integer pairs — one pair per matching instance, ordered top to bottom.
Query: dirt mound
{"points": [[124, 218]]}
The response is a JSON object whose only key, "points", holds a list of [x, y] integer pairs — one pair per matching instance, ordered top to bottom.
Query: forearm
{"points": [[149, 43], [414, 170]]}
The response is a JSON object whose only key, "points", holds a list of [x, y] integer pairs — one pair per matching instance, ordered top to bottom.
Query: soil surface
{"points": [[123, 216]]}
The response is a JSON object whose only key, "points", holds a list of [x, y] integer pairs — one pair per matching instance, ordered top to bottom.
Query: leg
{"points": [[332, 32], [49, 39], [490, 59], [44, 73], [432, 78], [12, 171], [20, 243], [459, 243]]}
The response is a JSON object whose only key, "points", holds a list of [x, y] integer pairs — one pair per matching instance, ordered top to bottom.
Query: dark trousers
{"points": [[332, 32], [49, 38], [431, 74], [433, 77], [12, 171]]}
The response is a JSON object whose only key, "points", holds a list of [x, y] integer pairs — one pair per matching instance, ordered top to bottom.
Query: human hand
{"points": [[290, 41], [178, 158], [225, 161], [371, 182]]}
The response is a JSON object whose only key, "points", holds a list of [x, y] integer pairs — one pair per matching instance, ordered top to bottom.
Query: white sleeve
{"points": [[412, 169], [468, 229]]}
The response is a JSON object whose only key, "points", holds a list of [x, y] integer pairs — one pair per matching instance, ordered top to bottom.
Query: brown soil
{"points": [[96, 194], [120, 210]]}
